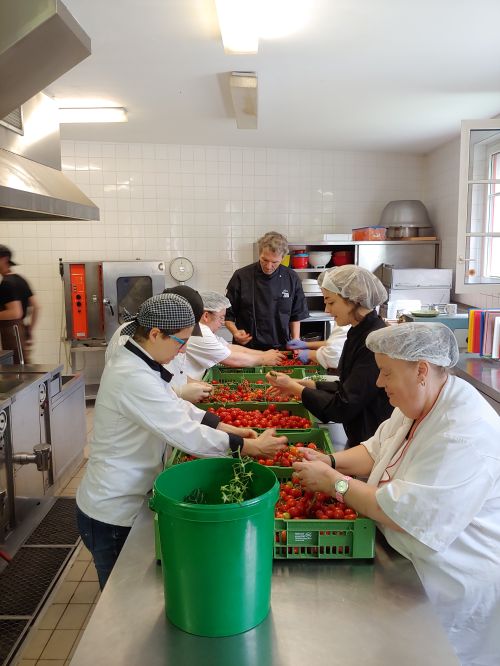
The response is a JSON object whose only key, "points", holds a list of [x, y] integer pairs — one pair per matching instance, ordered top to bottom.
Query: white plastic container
{"points": [[319, 259]]}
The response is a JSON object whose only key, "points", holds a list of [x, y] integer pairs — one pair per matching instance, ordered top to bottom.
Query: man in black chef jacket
{"points": [[267, 301], [18, 306]]}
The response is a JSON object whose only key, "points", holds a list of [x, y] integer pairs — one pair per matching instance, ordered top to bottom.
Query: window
{"points": [[478, 261]]}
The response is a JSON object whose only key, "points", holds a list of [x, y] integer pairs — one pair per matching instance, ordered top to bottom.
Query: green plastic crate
{"points": [[225, 368], [304, 370], [219, 374], [252, 386], [295, 408], [317, 435], [324, 539]]}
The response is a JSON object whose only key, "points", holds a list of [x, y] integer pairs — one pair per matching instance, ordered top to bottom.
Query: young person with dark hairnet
{"points": [[351, 294], [207, 349], [185, 387], [137, 419], [433, 484]]}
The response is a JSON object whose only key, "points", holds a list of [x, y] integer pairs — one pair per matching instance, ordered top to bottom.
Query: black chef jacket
{"points": [[21, 289], [8, 293], [264, 305], [354, 400]]}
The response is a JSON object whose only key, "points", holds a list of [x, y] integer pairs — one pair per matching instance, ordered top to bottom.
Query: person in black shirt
{"points": [[351, 293], [267, 301], [18, 305]]}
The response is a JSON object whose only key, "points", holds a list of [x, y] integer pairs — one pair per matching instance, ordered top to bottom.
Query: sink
{"points": [[7, 385]]}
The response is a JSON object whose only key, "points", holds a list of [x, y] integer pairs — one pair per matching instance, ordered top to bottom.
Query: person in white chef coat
{"points": [[205, 351], [185, 387], [136, 414], [433, 484]]}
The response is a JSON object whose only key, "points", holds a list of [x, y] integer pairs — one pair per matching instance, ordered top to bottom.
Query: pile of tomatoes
{"points": [[293, 361], [243, 392], [267, 418], [286, 457], [297, 503]]}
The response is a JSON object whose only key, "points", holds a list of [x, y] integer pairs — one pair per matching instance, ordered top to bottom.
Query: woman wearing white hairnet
{"points": [[351, 294], [205, 350], [324, 352], [433, 485]]}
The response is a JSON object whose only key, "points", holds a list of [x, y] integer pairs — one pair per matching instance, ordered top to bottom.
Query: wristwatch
{"points": [[341, 487]]}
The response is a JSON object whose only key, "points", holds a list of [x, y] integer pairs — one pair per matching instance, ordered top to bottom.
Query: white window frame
{"points": [[463, 262]]}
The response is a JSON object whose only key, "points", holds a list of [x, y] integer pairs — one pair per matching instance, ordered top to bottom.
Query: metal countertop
{"points": [[29, 368], [483, 373], [323, 613]]}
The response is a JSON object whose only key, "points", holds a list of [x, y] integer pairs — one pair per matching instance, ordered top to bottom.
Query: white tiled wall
{"points": [[441, 175], [209, 203]]}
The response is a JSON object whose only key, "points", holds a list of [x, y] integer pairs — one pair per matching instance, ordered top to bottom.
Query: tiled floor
{"points": [[61, 623]]}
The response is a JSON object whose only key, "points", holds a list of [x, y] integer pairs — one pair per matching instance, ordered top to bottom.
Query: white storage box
{"points": [[337, 237], [409, 278], [425, 296]]}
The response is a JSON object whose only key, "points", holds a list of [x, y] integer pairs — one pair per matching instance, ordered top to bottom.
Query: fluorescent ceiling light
{"points": [[243, 22], [237, 23], [243, 86], [110, 114]]}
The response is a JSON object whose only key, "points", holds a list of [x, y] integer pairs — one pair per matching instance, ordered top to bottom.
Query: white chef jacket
{"points": [[117, 340], [204, 351], [329, 355], [177, 366], [137, 419], [445, 494]]}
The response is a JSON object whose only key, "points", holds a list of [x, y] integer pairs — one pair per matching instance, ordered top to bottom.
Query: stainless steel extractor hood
{"points": [[39, 41]]}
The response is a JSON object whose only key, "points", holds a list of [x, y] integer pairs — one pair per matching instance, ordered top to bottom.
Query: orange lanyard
{"points": [[403, 450]]}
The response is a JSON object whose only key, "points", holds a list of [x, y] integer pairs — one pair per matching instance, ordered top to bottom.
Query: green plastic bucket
{"points": [[216, 558]]}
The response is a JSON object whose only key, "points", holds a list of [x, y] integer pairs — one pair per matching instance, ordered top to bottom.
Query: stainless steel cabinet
{"points": [[368, 254], [411, 254], [68, 426], [29, 427]]}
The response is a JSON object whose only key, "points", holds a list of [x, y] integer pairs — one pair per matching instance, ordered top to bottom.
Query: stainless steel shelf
{"points": [[353, 243], [308, 270]]}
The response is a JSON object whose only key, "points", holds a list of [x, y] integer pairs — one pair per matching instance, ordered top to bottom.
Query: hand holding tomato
{"points": [[273, 357], [282, 382], [196, 391], [265, 446], [315, 455], [316, 476]]}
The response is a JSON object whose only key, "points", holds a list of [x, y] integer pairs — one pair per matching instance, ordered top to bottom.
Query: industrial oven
{"points": [[99, 293]]}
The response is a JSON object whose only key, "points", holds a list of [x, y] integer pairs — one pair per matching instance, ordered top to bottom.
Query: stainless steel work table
{"points": [[482, 372], [322, 614]]}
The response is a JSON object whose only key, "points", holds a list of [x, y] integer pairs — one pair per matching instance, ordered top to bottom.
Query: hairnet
{"points": [[321, 277], [355, 283], [213, 301], [168, 312], [414, 341]]}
